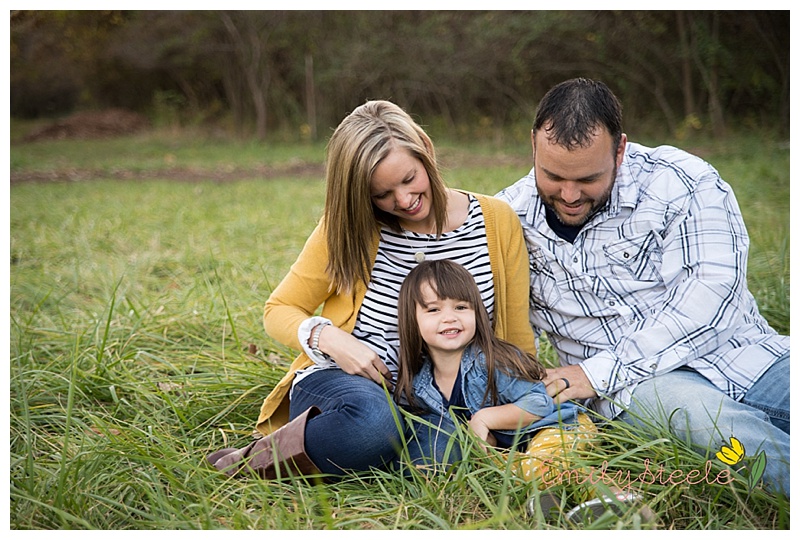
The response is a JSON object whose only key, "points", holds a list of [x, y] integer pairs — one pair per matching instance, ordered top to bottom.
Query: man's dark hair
{"points": [[571, 111]]}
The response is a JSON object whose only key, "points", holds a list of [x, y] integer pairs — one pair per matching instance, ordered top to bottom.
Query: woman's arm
{"points": [[300, 293], [297, 298]]}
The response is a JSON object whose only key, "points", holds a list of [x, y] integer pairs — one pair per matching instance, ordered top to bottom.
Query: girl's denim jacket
{"points": [[529, 396]]}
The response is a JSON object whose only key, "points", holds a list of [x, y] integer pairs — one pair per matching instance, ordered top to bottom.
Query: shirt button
{"points": [[626, 255], [575, 259], [612, 303]]}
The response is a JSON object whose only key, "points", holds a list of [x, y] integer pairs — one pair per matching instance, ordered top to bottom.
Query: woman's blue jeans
{"points": [[700, 414], [358, 427]]}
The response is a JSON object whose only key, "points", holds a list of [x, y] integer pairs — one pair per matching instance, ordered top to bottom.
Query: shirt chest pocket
{"points": [[635, 258], [544, 292], [475, 383]]}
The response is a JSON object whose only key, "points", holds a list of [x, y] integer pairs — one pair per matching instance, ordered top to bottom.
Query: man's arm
{"points": [[703, 266]]}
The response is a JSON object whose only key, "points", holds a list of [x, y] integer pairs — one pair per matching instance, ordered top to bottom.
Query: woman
{"points": [[386, 209]]}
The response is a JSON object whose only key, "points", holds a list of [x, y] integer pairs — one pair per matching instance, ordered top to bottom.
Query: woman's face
{"points": [[400, 186]]}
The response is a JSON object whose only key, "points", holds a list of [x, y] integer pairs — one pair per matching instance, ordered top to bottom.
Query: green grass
{"points": [[133, 305]]}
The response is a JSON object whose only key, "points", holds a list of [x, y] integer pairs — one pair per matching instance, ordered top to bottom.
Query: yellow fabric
{"points": [[307, 286], [548, 452]]}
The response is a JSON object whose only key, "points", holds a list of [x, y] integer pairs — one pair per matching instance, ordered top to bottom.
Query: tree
{"points": [[250, 35], [273, 69]]}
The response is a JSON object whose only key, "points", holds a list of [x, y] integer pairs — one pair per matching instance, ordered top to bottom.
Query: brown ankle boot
{"points": [[286, 446]]}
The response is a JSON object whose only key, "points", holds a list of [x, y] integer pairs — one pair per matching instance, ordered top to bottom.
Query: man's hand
{"points": [[568, 382]]}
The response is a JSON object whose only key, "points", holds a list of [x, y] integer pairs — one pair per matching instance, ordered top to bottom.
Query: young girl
{"points": [[450, 360]]}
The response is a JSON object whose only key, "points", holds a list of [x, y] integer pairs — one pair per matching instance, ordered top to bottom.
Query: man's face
{"points": [[576, 183]]}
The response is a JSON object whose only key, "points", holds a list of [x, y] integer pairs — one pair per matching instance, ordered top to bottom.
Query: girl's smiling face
{"points": [[445, 324]]}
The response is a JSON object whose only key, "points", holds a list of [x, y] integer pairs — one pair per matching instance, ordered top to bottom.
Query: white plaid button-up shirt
{"points": [[654, 281]]}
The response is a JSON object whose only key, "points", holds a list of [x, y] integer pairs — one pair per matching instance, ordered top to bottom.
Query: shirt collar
{"points": [[625, 193], [468, 358]]}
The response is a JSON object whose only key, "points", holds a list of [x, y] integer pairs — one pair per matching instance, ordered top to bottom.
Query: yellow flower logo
{"points": [[735, 453], [732, 454]]}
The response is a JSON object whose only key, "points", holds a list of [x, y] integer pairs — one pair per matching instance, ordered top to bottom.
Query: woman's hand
{"points": [[353, 356]]}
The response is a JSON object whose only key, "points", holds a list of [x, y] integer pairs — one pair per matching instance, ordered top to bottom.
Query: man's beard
{"points": [[597, 205]]}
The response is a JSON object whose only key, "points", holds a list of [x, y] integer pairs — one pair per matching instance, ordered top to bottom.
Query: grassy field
{"points": [[137, 281]]}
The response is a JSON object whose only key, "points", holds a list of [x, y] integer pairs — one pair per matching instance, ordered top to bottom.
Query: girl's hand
{"points": [[353, 356], [507, 416], [479, 427]]}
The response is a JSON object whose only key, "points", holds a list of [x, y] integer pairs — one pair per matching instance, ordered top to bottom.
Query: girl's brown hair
{"points": [[357, 146], [450, 280]]}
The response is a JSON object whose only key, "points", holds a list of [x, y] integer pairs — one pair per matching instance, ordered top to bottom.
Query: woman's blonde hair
{"points": [[357, 146], [450, 280]]}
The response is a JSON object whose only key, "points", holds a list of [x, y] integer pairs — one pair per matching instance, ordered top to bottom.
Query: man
{"points": [[638, 276]]}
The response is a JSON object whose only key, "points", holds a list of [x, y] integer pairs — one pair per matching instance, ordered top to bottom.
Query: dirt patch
{"points": [[119, 122], [91, 125], [296, 170]]}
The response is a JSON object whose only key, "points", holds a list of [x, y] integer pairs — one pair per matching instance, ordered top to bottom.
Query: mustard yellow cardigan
{"points": [[307, 286]]}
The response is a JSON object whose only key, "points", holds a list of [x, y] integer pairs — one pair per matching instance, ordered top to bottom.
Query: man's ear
{"points": [[623, 142]]}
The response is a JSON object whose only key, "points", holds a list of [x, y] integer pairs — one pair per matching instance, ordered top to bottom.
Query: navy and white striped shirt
{"points": [[654, 281], [376, 324]]}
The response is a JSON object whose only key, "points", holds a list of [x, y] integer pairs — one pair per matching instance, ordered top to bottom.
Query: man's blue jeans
{"points": [[700, 414]]}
